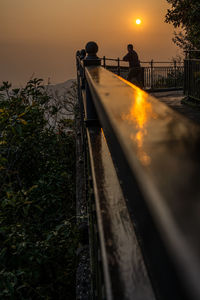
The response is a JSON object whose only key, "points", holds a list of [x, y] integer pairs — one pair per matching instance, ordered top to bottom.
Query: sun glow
{"points": [[138, 21]]}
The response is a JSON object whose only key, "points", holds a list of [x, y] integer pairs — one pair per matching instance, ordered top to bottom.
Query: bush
{"points": [[38, 236]]}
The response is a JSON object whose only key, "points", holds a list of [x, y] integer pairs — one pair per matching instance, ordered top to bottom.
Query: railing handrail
{"points": [[192, 50], [192, 59], [144, 62], [152, 76], [124, 123], [156, 157]]}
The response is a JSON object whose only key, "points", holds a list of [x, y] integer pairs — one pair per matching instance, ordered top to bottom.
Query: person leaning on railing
{"points": [[82, 54], [134, 74]]}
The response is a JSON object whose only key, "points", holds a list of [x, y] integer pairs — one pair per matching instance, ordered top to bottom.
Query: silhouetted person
{"points": [[78, 53], [82, 54], [134, 74]]}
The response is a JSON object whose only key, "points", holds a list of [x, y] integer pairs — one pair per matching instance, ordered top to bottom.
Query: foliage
{"points": [[185, 14], [172, 79], [62, 105], [38, 236]]}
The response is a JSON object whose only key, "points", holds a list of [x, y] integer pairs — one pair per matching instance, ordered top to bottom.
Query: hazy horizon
{"points": [[42, 37]]}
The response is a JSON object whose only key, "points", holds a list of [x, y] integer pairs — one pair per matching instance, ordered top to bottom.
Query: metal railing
{"points": [[154, 75], [192, 75], [145, 168]]}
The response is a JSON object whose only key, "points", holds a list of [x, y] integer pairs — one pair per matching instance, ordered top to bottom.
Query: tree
{"points": [[185, 15]]}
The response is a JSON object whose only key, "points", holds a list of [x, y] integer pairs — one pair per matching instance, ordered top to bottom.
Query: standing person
{"points": [[134, 74]]}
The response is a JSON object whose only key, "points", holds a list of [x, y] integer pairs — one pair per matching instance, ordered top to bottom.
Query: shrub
{"points": [[38, 236]]}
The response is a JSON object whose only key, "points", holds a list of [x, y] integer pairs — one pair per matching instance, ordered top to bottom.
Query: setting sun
{"points": [[138, 21]]}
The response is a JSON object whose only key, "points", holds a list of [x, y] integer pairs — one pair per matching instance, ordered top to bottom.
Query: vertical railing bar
{"points": [[104, 62], [118, 66], [175, 73], [152, 77]]}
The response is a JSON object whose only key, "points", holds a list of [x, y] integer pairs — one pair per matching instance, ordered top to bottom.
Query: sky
{"points": [[40, 37]]}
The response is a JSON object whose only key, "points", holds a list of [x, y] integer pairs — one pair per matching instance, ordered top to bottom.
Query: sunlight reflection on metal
{"points": [[140, 113], [103, 134]]}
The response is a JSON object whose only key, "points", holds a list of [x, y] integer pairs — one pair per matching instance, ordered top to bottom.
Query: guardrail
{"points": [[170, 75], [192, 75], [144, 162]]}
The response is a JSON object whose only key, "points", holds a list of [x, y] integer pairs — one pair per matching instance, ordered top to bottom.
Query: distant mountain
{"points": [[61, 88], [63, 96]]}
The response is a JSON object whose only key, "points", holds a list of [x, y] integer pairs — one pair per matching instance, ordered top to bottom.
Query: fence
{"points": [[155, 75], [192, 75], [143, 159]]}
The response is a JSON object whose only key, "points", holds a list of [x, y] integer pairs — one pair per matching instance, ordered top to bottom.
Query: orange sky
{"points": [[42, 36]]}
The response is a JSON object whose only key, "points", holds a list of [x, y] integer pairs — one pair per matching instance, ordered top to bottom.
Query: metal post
{"points": [[90, 60], [104, 62], [118, 66], [189, 72], [152, 74], [186, 74], [175, 75], [142, 77], [80, 82]]}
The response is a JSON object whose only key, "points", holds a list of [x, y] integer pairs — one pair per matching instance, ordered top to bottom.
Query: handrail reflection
{"points": [[140, 112]]}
